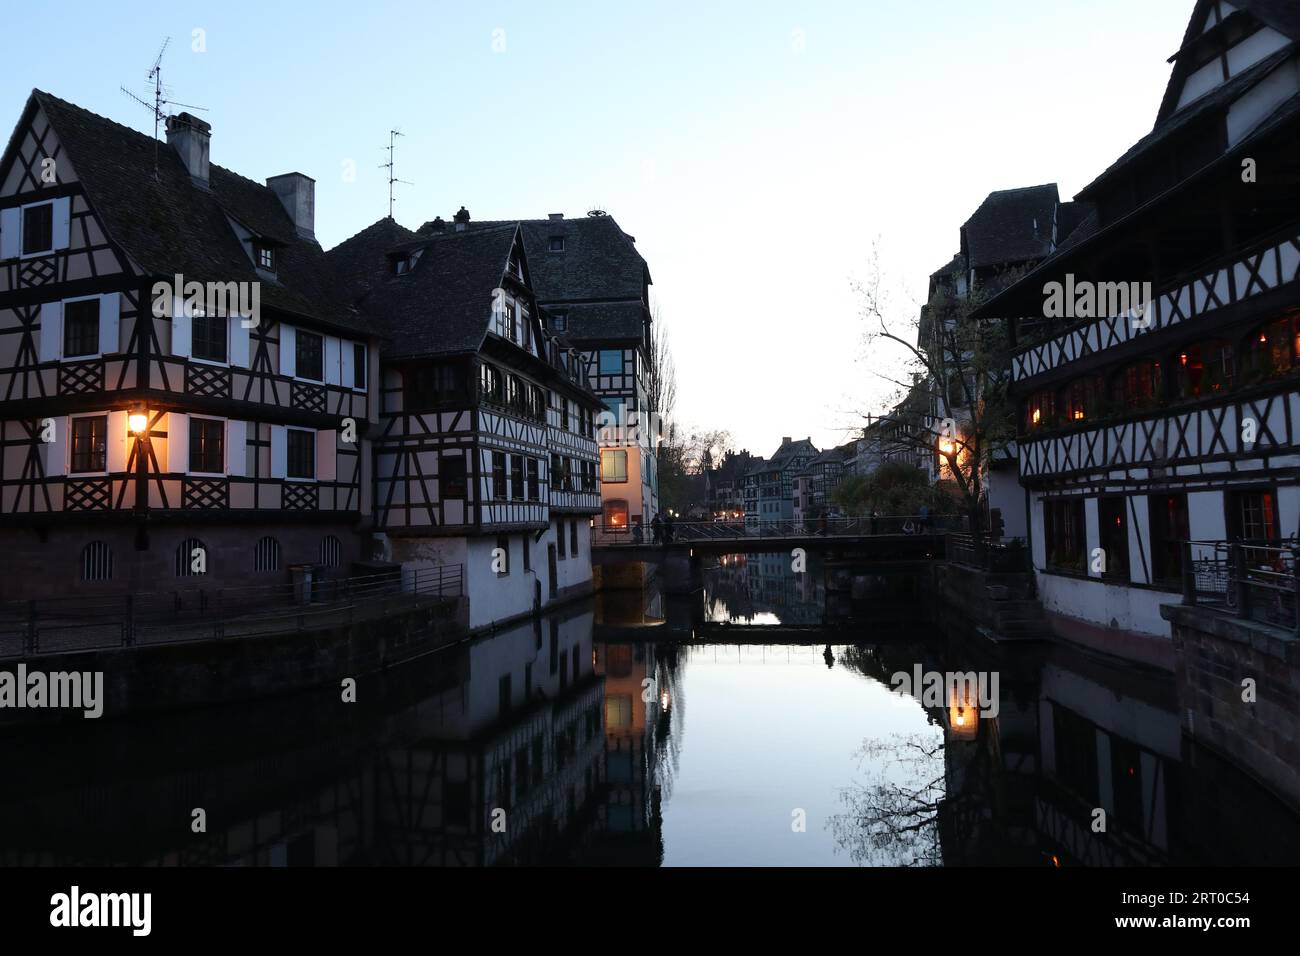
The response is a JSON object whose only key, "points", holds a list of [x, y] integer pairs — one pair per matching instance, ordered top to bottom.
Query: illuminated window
{"points": [[613, 465], [615, 515]]}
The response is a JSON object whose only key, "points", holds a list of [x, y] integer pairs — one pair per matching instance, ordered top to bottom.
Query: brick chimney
{"points": [[191, 138], [298, 193], [462, 219]]}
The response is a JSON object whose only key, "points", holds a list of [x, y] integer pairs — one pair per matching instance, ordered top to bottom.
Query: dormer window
{"points": [[557, 244], [264, 256], [401, 265], [559, 321]]}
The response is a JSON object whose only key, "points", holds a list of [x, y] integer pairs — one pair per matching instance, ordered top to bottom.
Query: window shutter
{"points": [[62, 222], [9, 228], [110, 310], [182, 327], [51, 331], [239, 342], [347, 359], [288, 360], [331, 360], [117, 429], [178, 443], [236, 448], [327, 449], [56, 451], [279, 452]]}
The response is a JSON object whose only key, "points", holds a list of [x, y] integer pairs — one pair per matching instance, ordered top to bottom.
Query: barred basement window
{"points": [[331, 551], [267, 555], [191, 558], [96, 562]]}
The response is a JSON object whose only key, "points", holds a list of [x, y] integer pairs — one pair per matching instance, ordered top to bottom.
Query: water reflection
{"points": [[568, 740]]}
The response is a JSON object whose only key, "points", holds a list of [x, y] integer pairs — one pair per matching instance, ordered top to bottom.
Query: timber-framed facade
{"points": [[1177, 419]]}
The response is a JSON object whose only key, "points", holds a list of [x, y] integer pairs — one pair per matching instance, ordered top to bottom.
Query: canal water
{"points": [[752, 723]]}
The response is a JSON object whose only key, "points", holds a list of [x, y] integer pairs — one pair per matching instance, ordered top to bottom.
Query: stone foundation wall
{"points": [[1215, 654]]}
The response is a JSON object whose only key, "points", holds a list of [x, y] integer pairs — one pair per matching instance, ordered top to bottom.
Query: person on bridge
{"points": [[656, 528], [668, 528], [822, 530], [638, 537]]}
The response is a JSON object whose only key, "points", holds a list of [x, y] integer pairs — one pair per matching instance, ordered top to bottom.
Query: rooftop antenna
{"points": [[161, 98], [392, 142]]}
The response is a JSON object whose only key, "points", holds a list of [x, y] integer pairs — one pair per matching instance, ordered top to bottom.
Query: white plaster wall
{"points": [[1205, 516], [1139, 539], [1107, 605]]}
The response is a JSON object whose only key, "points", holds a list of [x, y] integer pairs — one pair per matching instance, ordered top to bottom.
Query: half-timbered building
{"points": [[592, 287], [1145, 426], [159, 435], [485, 454]]}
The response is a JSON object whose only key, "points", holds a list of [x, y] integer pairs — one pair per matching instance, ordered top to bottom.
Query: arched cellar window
{"points": [[331, 551], [267, 555], [191, 558], [96, 562]]}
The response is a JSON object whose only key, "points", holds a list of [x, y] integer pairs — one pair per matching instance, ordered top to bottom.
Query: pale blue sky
{"points": [[756, 150]]}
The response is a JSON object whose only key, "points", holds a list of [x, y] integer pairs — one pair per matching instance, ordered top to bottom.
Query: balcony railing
{"points": [[1003, 556], [1254, 580], [65, 625]]}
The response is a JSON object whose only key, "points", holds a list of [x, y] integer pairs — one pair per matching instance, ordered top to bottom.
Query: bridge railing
{"points": [[606, 535], [1003, 556]]}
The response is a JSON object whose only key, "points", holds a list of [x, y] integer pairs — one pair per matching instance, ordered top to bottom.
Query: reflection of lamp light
{"points": [[138, 422], [664, 700], [963, 715]]}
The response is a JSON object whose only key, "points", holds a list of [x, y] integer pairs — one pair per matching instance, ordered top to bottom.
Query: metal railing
{"points": [[607, 534], [1001, 556], [1255, 580], [62, 625]]}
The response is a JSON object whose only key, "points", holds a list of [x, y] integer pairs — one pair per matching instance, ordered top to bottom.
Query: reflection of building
{"points": [[764, 587], [506, 765]]}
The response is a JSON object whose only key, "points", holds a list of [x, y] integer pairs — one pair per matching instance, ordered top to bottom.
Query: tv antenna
{"points": [[161, 98], [392, 142]]}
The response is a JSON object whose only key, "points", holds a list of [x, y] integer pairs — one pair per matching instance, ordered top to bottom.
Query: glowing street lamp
{"points": [[138, 421]]}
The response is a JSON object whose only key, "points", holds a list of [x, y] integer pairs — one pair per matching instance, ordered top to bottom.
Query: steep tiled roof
{"points": [[1217, 100], [166, 224], [1010, 226], [361, 262], [443, 305], [602, 321]]}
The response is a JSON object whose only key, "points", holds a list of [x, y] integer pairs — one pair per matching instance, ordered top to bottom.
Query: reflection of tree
{"points": [[665, 745], [893, 819]]}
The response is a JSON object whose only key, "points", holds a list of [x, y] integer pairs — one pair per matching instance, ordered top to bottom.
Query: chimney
{"points": [[190, 137], [298, 193], [555, 216], [462, 219], [439, 225], [785, 440]]}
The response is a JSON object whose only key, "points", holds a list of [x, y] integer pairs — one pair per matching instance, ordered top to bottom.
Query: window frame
{"points": [[22, 230], [99, 320], [298, 337], [203, 360], [72, 443], [288, 453], [613, 453], [221, 473]]}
